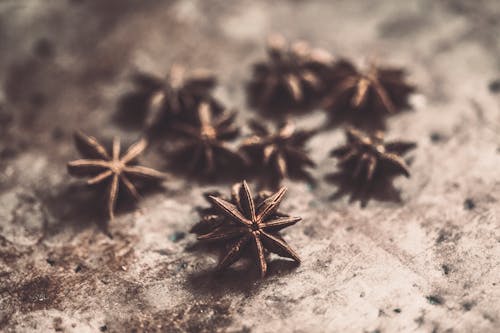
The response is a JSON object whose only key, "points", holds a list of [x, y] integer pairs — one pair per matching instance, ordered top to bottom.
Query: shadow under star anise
{"points": [[380, 188]]}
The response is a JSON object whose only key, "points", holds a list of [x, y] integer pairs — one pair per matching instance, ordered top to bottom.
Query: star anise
{"points": [[291, 77], [377, 89], [174, 97], [206, 141], [283, 152], [366, 155], [103, 166], [211, 218], [252, 226]]}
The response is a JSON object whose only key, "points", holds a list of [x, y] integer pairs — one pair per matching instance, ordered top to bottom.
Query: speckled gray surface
{"points": [[430, 263]]}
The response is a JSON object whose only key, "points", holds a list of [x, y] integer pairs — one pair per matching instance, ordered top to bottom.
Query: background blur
{"points": [[423, 258]]}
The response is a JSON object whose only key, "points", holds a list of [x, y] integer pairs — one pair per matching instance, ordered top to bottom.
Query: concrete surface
{"points": [[429, 263]]}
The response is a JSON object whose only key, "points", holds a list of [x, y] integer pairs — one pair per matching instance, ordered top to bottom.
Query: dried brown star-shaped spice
{"points": [[292, 75], [377, 89], [176, 96], [206, 142], [282, 151], [365, 155], [102, 166], [211, 218], [252, 226]]}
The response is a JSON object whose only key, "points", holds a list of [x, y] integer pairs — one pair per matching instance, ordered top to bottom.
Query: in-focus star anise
{"points": [[291, 76], [377, 89], [176, 96], [206, 141], [283, 152], [365, 155], [102, 166], [211, 218], [252, 226]]}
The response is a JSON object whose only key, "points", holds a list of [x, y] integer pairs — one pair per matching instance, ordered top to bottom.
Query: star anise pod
{"points": [[291, 77], [379, 89], [174, 97], [206, 141], [282, 151], [365, 155], [113, 168], [211, 218], [252, 226]]}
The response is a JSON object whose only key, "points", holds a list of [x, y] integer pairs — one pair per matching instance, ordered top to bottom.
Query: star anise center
{"points": [[208, 133], [116, 166]]}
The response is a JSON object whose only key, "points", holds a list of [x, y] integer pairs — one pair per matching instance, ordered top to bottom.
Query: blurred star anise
{"points": [[291, 77], [378, 89], [174, 97], [205, 141], [282, 152], [364, 156], [103, 166], [211, 218], [252, 226]]}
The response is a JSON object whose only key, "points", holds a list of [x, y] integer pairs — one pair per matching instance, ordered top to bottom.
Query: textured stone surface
{"points": [[429, 263]]}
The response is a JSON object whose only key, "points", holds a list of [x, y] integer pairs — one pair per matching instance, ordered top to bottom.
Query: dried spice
{"points": [[291, 77], [379, 89], [176, 96], [206, 142], [282, 152], [365, 156], [102, 166], [211, 218], [251, 226]]}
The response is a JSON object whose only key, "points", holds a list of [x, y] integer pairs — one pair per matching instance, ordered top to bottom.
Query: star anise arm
{"points": [[310, 78], [271, 83], [292, 83], [338, 90], [361, 93], [384, 98], [224, 120], [259, 129], [188, 130], [287, 130], [354, 135], [251, 142], [89, 147], [399, 147], [116, 148], [223, 148], [135, 150], [340, 151], [268, 152], [299, 155], [196, 156], [209, 160], [397, 162], [361, 163], [281, 165], [371, 166], [87, 167], [144, 172], [100, 177], [130, 187], [113, 193], [246, 201], [270, 204], [230, 210], [281, 222], [223, 232], [279, 246], [234, 253], [260, 254]]}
